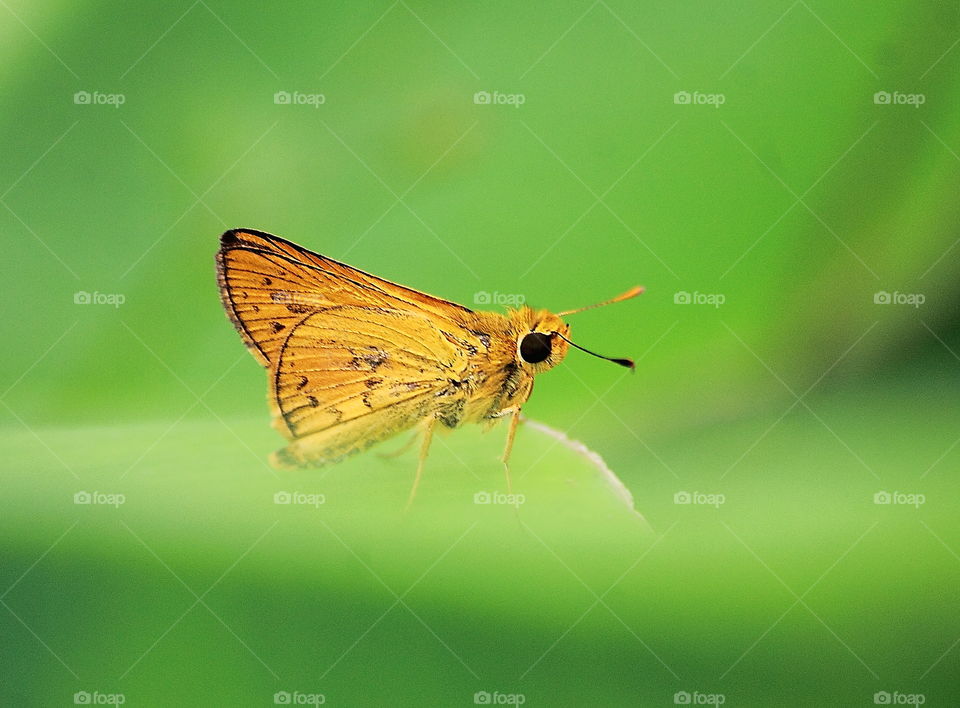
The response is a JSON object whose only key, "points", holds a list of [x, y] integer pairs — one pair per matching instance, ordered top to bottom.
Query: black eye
{"points": [[535, 347]]}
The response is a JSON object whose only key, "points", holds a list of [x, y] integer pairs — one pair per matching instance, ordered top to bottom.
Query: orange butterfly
{"points": [[353, 359]]}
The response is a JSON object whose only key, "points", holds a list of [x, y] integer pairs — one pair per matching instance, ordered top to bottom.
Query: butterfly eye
{"points": [[535, 347]]}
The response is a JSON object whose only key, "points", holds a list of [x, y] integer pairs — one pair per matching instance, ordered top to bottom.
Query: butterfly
{"points": [[353, 359]]}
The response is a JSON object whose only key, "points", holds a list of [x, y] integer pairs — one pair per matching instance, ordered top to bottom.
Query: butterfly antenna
{"points": [[632, 292], [622, 362]]}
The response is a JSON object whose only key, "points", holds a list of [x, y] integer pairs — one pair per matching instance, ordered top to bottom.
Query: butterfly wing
{"points": [[268, 285], [352, 358], [348, 377]]}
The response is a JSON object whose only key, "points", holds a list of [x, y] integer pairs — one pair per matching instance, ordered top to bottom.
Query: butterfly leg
{"points": [[511, 432], [424, 448]]}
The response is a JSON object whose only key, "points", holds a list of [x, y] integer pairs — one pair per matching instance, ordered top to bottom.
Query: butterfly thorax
{"points": [[498, 380]]}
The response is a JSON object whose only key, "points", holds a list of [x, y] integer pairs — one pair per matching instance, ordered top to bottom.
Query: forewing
{"points": [[268, 285]]}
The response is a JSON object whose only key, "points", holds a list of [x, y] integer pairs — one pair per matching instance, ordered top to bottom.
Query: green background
{"points": [[798, 398]]}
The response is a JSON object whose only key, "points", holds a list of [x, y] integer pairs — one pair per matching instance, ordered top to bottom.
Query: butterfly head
{"points": [[543, 337], [542, 343]]}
